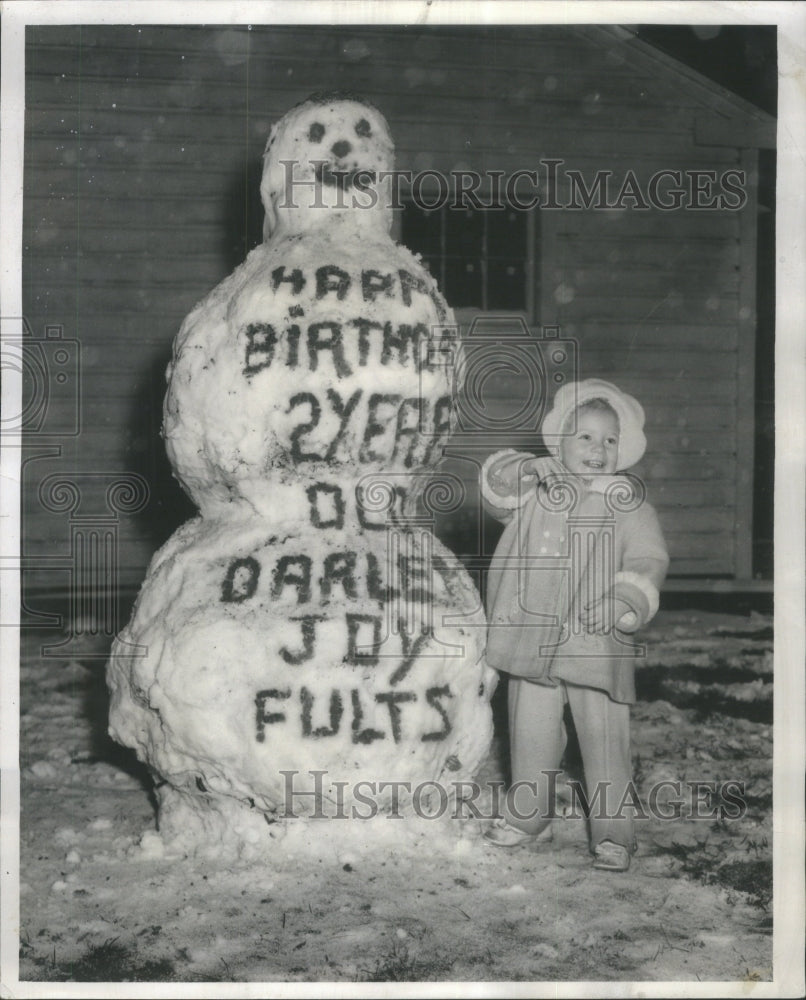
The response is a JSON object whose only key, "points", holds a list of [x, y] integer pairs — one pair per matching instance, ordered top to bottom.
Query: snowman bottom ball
{"points": [[269, 677]]}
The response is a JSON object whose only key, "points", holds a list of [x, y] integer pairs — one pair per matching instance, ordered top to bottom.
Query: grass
{"points": [[709, 866], [754, 878], [107, 962], [397, 965]]}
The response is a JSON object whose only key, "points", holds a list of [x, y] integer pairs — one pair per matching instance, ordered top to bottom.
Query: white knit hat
{"points": [[632, 442]]}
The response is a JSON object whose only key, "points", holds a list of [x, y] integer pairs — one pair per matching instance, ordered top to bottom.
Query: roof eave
{"points": [[643, 55]]}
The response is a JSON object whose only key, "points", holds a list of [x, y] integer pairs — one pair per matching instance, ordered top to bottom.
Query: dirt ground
{"points": [[100, 900]]}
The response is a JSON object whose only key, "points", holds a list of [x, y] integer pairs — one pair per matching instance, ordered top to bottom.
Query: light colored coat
{"points": [[567, 544]]}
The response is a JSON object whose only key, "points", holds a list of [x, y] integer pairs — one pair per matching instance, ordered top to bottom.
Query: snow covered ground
{"points": [[101, 900]]}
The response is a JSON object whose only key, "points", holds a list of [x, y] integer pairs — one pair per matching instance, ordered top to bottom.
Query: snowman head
{"points": [[324, 159]]}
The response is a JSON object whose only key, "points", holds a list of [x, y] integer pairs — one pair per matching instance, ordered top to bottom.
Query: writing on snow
{"points": [[356, 342], [388, 425], [300, 579], [404, 603], [350, 607], [356, 638], [274, 704]]}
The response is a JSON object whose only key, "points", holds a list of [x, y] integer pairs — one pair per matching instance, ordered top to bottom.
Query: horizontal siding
{"points": [[425, 60], [179, 83], [113, 99], [503, 126], [142, 160], [631, 225], [648, 253], [640, 257], [680, 280], [147, 292], [632, 307], [709, 337], [692, 362]]}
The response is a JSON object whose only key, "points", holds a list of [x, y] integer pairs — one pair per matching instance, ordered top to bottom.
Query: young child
{"points": [[576, 570]]}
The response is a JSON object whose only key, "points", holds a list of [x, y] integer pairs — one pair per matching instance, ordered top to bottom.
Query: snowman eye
{"points": [[362, 128], [316, 131]]}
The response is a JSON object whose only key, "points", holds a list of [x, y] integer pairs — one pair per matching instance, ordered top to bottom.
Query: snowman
{"points": [[310, 646]]}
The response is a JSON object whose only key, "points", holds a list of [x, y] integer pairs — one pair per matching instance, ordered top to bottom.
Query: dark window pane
{"points": [[420, 231], [464, 232], [506, 233], [479, 258], [433, 265], [463, 282], [506, 283]]}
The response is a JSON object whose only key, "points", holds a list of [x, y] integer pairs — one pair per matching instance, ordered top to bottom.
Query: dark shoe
{"points": [[610, 857]]}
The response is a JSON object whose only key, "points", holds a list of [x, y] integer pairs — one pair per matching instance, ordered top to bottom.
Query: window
{"points": [[482, 259]]}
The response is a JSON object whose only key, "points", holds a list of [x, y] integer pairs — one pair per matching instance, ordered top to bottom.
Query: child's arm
{"points": [[507, 479], [635, 590]]}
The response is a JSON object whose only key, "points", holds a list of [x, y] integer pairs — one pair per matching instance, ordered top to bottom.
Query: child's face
{"points": [[593, 448]]}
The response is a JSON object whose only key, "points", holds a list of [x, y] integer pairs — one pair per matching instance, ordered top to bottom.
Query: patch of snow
{"points": [[512, 890]]}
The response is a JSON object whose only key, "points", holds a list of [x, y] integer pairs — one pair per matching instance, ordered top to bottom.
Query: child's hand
{"points": [[542, 467], [602, 615]]}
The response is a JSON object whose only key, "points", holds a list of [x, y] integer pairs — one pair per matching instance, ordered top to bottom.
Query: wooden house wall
{"points": [[142, 165]]}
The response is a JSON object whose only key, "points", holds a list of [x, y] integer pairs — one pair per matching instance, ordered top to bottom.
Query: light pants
{"points": [[537, 740]]}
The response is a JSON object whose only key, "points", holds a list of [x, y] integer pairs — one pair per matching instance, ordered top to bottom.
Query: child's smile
{"points": [[593, 447]]}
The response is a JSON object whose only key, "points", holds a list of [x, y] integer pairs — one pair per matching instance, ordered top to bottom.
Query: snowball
{"points": [[564, 294], [42, 769], [66, 835], [151, 845], [462, 847], [512, 890], [545, 950]]}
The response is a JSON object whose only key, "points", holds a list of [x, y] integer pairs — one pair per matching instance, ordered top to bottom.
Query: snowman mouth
{"points": [[359, 177]]}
